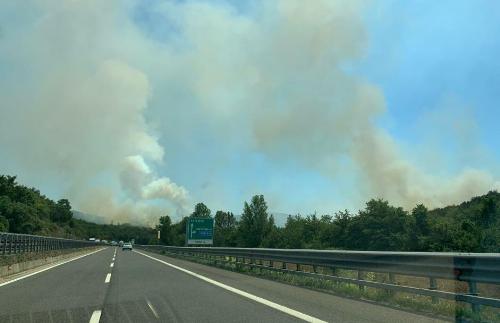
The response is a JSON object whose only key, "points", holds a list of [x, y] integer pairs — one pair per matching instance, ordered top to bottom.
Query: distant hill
{"points": [[90, 217]]}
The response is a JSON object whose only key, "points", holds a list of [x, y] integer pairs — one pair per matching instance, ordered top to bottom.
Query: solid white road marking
{"points": [[112, 264], [47, 268], [108, 278], [255, 298], [152, 309], [96, 316]]}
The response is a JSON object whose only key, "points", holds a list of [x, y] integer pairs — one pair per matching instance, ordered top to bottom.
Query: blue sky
{"points": [[421, 51], [420, 54], [319, 106]]}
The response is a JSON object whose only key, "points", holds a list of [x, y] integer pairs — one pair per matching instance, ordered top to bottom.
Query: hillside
{"points": [[26, 210], [473, 225]]}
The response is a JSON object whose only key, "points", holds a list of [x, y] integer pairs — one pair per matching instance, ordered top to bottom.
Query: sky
{"points": [[136, 109]]}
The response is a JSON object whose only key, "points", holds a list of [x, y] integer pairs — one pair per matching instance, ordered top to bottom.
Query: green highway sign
{"points": [[200, 231]]}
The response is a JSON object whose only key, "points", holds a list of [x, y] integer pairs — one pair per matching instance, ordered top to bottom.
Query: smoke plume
{"points": [[81, 77]]}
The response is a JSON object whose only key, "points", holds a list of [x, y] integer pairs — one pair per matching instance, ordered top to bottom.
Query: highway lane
{"points": [[134, 287], [144, 290], [67, 293], [324, 306]]}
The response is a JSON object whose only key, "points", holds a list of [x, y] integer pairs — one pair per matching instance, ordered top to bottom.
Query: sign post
{"points": [[200, 231]]}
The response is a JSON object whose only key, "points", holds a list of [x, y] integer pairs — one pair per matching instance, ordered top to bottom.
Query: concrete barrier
{"points": [[15, 268]]}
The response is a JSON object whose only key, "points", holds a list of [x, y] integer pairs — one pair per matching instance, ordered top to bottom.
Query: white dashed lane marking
{"points": [[152, 309], [96, 316]]}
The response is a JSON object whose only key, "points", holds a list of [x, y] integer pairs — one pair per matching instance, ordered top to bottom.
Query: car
{"points": [[114, 243], [127, 246]]}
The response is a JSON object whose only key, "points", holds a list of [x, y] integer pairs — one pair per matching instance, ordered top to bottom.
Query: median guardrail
{"points": [[15, 243], [472, 268]]}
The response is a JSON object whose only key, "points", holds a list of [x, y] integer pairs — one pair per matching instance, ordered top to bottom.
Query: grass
{"points": [[445, 309]]}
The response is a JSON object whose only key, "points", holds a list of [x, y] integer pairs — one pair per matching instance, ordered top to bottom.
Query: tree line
{"points": [[472, 226]]}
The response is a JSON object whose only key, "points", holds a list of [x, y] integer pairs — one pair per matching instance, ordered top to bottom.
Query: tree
{"points": [[62, 211], [201, 211], [489, 211], [4, 224], [254, 224], [379, 227], [225, 229], [418, 229], [165, 230], [179, 232], [293, 233], [339, 233], [274, 236]]}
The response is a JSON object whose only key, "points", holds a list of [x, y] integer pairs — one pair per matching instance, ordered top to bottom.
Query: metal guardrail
{"points": [[14, 243], [471, 268]]}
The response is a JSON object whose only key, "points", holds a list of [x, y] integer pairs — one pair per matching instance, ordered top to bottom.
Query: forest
{"points": [[472, 226]]}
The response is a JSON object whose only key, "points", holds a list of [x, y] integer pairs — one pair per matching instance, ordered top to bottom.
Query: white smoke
{"points": [[73, 110], [139, 181]]}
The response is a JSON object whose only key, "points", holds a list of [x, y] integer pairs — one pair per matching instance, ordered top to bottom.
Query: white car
{"points": [[127, 246]]}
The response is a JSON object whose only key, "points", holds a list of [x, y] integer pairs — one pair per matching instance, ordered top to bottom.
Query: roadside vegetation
{"points": [[473, 226]]}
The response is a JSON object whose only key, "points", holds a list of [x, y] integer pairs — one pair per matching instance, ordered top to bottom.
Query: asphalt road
{"points": [[146, 287]]}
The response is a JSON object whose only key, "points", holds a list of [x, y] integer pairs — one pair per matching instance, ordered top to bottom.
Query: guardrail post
{"points": [[3, 238], [252, 263], [283, 265], [297, 267], [360, 277], [392, 280], [433, 286], [473, 291]]}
